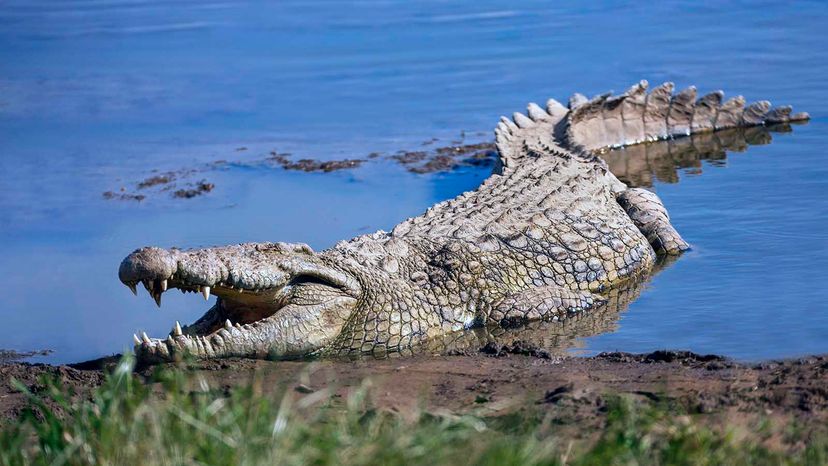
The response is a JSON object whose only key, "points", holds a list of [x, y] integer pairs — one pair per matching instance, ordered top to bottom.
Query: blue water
{"points": [[95, 94]]}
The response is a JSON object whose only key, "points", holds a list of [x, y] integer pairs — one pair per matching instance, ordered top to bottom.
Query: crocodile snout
{"points": [[148, 263]]}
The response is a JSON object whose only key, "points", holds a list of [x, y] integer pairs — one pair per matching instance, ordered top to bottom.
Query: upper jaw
{"points": [[243, 268]]}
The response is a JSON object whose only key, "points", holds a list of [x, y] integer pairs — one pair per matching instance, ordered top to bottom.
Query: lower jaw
{"points": [[217, 334], [272, 336], [221, 343]]}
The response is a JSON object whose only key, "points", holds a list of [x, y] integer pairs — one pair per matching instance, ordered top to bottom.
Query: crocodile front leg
{"points": [[650, 216]]}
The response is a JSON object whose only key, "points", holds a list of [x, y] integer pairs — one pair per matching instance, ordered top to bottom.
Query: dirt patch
{"points": [[447, 158], [432, 160], [436, 160], [311, 165], [156, 180], [164, 182], [200, 188], [123, 196], [521, 347], [8, 356], [680, 357], [499, 381], [12, 401]]}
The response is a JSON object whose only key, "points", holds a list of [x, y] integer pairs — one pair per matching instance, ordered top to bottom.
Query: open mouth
{"points": [[271, 298], [237, 311]]}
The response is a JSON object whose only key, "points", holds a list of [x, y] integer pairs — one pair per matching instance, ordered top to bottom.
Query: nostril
{"points": [[147, 263]]}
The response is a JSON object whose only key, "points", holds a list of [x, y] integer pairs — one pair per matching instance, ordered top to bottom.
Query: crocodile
{"points": [[551, 234]]}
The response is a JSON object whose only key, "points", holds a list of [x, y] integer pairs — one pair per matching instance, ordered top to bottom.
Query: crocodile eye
{"points": [[307, 279], [312, 289]]}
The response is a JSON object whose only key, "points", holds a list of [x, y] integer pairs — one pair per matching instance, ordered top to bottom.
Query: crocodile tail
{"points": [[636, 116]]}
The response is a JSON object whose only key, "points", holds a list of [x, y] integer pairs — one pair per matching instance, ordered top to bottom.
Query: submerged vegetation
{"points": [[178, 418]]}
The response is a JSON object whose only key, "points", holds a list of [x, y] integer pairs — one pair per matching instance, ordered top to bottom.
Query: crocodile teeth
{"points": [[148, 284], [163, 285], [133, 288], [205, 291], [157, 297], [228, 325], [177, 329], [145, 338], [135, 339]]}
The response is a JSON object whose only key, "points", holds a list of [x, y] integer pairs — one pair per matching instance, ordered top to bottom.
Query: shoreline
{"points": [[572, 390]]}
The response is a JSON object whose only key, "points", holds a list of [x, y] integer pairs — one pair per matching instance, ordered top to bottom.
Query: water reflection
{"points": [[642, 165], [552, 338]]}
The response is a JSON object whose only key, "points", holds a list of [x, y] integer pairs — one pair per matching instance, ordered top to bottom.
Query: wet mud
{"points": [[447, 158], [431, 160], [311, 165], [199, 188], [122, 195], [8, 356], [498, 381]]}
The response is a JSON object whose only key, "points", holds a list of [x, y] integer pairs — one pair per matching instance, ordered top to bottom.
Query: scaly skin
{"points": [[551, 234]]}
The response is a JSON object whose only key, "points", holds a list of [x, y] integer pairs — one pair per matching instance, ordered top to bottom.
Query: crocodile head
{"points": [[275, 300]]}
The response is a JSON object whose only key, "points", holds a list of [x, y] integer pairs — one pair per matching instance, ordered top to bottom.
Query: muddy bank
{"points": [[573, 387], [570, 390], [12, 401]]}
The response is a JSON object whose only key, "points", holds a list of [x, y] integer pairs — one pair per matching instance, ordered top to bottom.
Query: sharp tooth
{"points": [[148, 285], [163, 285], [132, 288], [205, 291], [157, 297], [228, 325], [177, 330], [145, 338], [136, 339], [170, 341]]}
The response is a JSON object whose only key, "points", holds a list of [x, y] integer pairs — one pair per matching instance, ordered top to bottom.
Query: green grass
{"points": [[181, 420]]}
